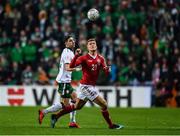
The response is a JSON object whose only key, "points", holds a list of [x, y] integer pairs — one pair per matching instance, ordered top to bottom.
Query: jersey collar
{"points": [[69, 48], [92, 56]]}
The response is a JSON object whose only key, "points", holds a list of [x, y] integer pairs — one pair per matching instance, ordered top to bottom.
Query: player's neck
{"points": [[70, 48]]}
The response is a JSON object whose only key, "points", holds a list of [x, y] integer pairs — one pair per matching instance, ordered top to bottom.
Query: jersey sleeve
{"points": [[67, 58], [76, 61]]}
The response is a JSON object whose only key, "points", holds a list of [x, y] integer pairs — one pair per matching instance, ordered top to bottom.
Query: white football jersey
{"points": [[63, 75]]}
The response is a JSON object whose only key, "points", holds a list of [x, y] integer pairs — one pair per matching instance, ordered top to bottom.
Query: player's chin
{"points": [[93, 50]]}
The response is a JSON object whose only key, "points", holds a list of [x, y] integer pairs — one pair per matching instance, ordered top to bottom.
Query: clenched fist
{"points": [[78, 51]]}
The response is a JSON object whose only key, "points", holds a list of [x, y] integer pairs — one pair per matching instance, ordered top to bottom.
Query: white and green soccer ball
{"points": [[93, 14]]}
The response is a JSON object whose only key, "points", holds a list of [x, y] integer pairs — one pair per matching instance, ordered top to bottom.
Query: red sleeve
{"points": [[75, 61], [105, 67]]}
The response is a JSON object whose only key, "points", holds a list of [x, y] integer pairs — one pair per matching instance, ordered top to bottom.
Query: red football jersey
{"points": [[90, 67]]}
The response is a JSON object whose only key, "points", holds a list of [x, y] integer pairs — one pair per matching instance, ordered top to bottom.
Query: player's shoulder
{"points": [[64, 51], [67, 51], [100, 56], [83, 57]]}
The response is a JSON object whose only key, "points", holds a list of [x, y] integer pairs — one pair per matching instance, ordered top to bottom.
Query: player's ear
{"points": [[65, 43]]}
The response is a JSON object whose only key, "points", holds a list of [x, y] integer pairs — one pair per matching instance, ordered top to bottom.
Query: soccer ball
{"points": [[93, 14]]}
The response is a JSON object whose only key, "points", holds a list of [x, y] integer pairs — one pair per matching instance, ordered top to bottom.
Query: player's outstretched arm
{"points": [[67, 67]]}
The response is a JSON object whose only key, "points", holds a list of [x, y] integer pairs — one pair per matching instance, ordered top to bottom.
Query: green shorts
{"points": [[65, 89]]}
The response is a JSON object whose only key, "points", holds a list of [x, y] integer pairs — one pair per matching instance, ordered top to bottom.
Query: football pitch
{"points": [[159, 121]]}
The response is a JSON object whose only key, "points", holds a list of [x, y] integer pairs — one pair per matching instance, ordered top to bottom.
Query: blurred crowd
{"points": [[139, 38]]}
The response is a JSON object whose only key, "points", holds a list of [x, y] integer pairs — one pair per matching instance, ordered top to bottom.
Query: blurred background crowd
{"points": [[139, 38]]}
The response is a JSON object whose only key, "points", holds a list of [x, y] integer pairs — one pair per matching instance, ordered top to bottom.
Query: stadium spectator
{"points": [[17, 53], [30, 54], [53, 71], [15, 73], [27, 76], [42, 77]]}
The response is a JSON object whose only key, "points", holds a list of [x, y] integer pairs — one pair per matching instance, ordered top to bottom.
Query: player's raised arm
{"points": [[75, 61], [106, 68]]}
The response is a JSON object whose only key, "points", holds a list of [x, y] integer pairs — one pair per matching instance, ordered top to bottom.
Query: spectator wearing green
{"points": [[106, 12], [135, 20], [108, 27], [5, 41], [30, 52], [16, 53], [46, 53], [53, 73], [123, 75]]}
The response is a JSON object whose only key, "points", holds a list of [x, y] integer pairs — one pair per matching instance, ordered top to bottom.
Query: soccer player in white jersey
{"points": [[64, 81]]}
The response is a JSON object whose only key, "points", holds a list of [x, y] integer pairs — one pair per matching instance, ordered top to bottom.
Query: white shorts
{"points": [[87, 92]]}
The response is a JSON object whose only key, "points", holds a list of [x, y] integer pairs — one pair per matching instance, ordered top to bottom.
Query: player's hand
{"points": [[78, 51], [109, 68]]}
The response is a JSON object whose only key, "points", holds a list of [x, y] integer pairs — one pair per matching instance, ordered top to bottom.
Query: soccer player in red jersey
{"points": [[91, 64]]}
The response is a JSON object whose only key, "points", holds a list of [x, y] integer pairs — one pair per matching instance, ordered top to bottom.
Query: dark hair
{"points": [[67, 37], [91, 39]]}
